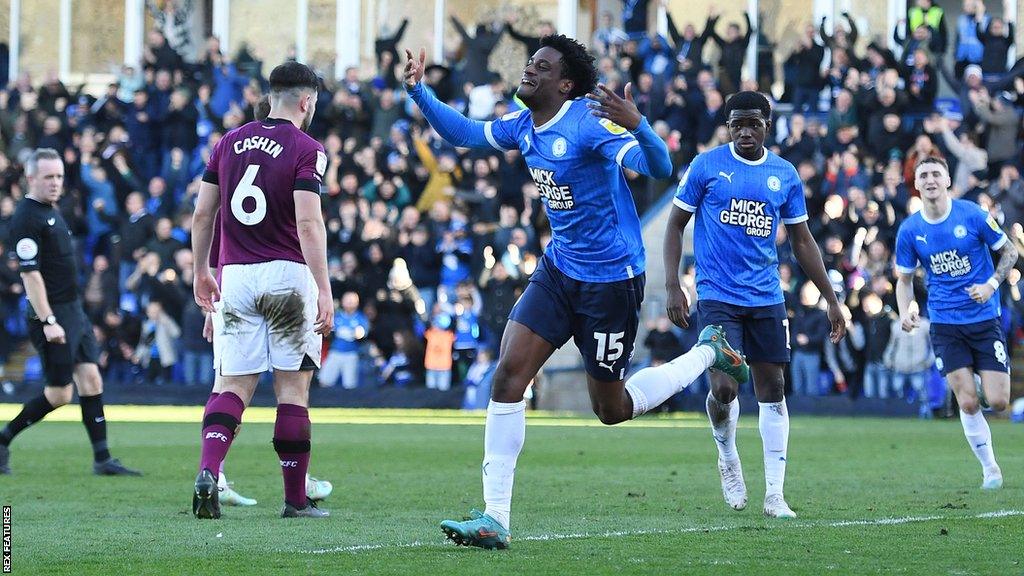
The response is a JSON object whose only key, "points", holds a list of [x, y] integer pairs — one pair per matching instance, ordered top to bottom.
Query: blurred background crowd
{"points": [[429, 246]]}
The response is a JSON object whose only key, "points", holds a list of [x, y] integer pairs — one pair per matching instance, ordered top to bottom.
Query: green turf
{"points": [[588, 500]]}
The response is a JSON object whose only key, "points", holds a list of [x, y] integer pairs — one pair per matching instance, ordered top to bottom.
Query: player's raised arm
{"points": [[448, 122], [651, 156], [309, 223], [809, 256], [204, 286]]}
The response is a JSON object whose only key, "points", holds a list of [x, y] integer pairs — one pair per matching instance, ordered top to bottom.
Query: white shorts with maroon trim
{"points": [[265, 319]]}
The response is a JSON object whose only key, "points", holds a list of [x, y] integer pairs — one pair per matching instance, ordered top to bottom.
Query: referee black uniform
{"points": [[43, 243]]}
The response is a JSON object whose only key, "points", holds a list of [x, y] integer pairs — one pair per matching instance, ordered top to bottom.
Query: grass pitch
{"points": [[873, 497]]}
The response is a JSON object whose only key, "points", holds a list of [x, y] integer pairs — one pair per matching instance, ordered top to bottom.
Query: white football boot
{"points": [[733, 487], [775, 507]]}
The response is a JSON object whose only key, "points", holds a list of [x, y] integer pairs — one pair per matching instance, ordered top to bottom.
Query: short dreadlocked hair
{"points": [[577, 63], [749, 100]]}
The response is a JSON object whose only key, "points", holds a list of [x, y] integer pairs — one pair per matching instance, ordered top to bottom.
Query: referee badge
{"points": [[774, 184], [960, 231], [26, 248]]}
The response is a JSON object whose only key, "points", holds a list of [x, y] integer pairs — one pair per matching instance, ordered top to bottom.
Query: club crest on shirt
{"points": [[612, 126], [559, 147], [774, 184], [959, 231]]}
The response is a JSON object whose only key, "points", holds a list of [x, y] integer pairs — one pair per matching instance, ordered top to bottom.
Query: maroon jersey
{"points": [[257, 167]]}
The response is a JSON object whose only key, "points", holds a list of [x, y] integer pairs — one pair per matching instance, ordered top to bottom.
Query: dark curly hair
{"points": [[577, 63], [749, 100]]}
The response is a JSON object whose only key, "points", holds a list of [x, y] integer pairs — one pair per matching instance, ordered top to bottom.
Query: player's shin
{"points": [[649, 387], [33, 411], [223, 416], [724, 416], [773, 422], [95, 425], [980, 438], [503, 440], [291, 441]]}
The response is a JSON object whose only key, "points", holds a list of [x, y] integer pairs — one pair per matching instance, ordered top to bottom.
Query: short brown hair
{"points": [[932, 160]]}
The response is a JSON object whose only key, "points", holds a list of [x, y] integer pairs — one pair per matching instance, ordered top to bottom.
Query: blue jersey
{"points": [[575, 161], [738, 205], [954, 251], [349, 329]]}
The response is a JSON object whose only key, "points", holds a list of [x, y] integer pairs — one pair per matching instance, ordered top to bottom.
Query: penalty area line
{"points": [[782, 524]]}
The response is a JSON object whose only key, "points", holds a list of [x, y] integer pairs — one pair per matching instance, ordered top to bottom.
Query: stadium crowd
{"points": [[429, 246]]}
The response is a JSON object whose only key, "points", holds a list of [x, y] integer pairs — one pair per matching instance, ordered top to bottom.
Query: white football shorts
{"points": [[265, 319]]}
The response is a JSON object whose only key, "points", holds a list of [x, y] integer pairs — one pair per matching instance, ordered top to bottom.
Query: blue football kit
{"points": [[738, 205], [954, 251], [596, 253]]}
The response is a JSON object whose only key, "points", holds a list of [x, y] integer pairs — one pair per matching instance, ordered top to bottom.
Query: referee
{"points": [[58, 326]]}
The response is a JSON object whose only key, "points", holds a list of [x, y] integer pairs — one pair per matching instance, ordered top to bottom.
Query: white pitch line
{"points": [[687, 530]]}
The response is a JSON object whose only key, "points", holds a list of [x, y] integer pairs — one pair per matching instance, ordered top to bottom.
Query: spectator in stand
{"points": [[926, 13], [634, 18], [608, 37], [840, 38], [921, 38], [997, 38], [530, 43], [689, 47], [969, 49], [477, 50], [734, 50], [158, 54], [388, 58], [806, 61], [922, 83], [1001, 122], [970, 157], [1008, 192], [101, 291], [500, 292], [878, 319], [809, 326], [350, 328], [662, 341], [196, 348], [157, 351], [909, 357], [439, 360], [846, 360], [478, 381]]}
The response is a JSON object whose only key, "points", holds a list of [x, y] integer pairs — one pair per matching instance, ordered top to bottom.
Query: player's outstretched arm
{"points": [[448, 122], [651, 157], [309, 224], [809, 256], [204, 284], [677, 306], [909, 318]]}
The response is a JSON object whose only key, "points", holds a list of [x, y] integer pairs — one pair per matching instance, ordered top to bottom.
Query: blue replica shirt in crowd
{"points": [[576, 161], [738, 204], [954, 251], [348, 330]]}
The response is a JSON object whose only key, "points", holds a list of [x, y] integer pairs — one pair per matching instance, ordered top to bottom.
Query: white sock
{"points": [[651, 386], [724, 417], [773, 421], [979, 436], [503, 440]]}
